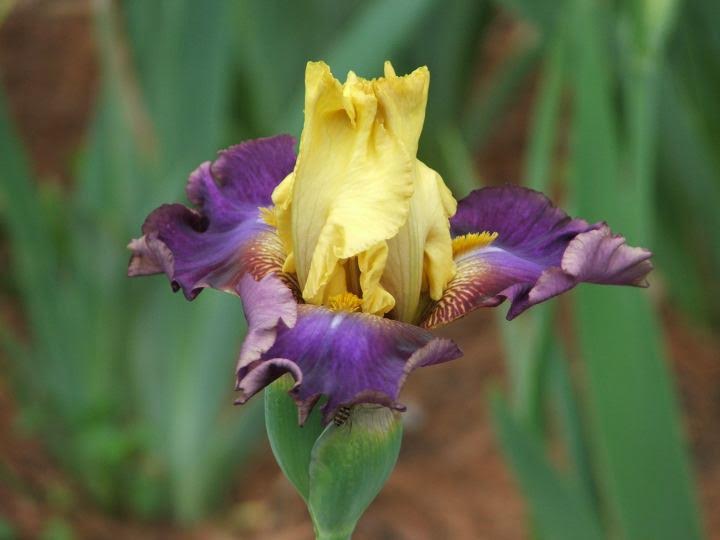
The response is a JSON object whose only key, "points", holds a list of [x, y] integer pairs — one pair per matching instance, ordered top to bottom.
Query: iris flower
{"points": [[348, 254]]}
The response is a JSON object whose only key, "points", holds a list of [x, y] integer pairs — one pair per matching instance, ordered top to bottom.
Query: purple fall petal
{"points": [[225, 237], [539, 253], [593, 257], [266, 303], [348, 357]]}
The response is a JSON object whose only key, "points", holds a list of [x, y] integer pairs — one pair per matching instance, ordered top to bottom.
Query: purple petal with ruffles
{"points": [[250, 171], [527, 222], [225, 236], [539, 253], [349, 357]]}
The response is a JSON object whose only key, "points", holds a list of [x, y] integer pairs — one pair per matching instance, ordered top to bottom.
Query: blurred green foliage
{"points": [[129, 387], [7, 532]]}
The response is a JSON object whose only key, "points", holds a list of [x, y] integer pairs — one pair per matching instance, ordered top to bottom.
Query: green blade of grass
{"points": [[543, 15], [375, 33], [451, 36], [272, 49], [484, 112], [541, 150], [456, 161], [688, 191], [688, 196], [33, 250], [528, 339], [527, 343], [183, 378], [107, 399], [571, 416], [642, 460], [558, 507]]}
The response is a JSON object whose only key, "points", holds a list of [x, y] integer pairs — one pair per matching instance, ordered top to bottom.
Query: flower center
{"points": [[268, 215], [466, 242], [346, 301]]}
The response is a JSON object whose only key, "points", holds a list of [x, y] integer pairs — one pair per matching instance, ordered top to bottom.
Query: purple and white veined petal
{"points": [[225, 236], [539, 252], [348, 357]]}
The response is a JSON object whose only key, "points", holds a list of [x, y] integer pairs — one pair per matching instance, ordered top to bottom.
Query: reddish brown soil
{"points": [[49, 72], [696, 357], [450, 482]]}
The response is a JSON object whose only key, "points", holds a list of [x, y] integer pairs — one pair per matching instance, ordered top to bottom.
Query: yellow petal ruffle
{"points": [[356, 185]]}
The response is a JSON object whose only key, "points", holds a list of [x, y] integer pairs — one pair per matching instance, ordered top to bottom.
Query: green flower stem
{"points": [[319, 535]]}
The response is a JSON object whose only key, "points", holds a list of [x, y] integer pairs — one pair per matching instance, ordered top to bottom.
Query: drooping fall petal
{"points": [[513, 243], [348, 357]]}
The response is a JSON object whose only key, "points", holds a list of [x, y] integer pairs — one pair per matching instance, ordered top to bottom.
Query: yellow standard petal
{"points": [[351, 186], [360, 214], [420, 257]]}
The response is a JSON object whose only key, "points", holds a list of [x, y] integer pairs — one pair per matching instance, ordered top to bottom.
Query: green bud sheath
{"points": [[291, 444], [349, 466], [338, 471]]}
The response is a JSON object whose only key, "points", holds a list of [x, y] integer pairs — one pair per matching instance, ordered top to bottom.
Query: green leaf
{"points": [[543, 15], [375, 33], [449, 46], [482, 113], [541, 151], [458, 167], [688, 196], [30, 238], [527, 342], [127, 396], [570, 413], [291, 444], [642, 462], [349, 466], [558, 506], [57, 529], [7, 531]]}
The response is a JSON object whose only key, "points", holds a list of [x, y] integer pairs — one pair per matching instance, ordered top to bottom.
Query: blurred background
{"points": [[595, 416]]}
